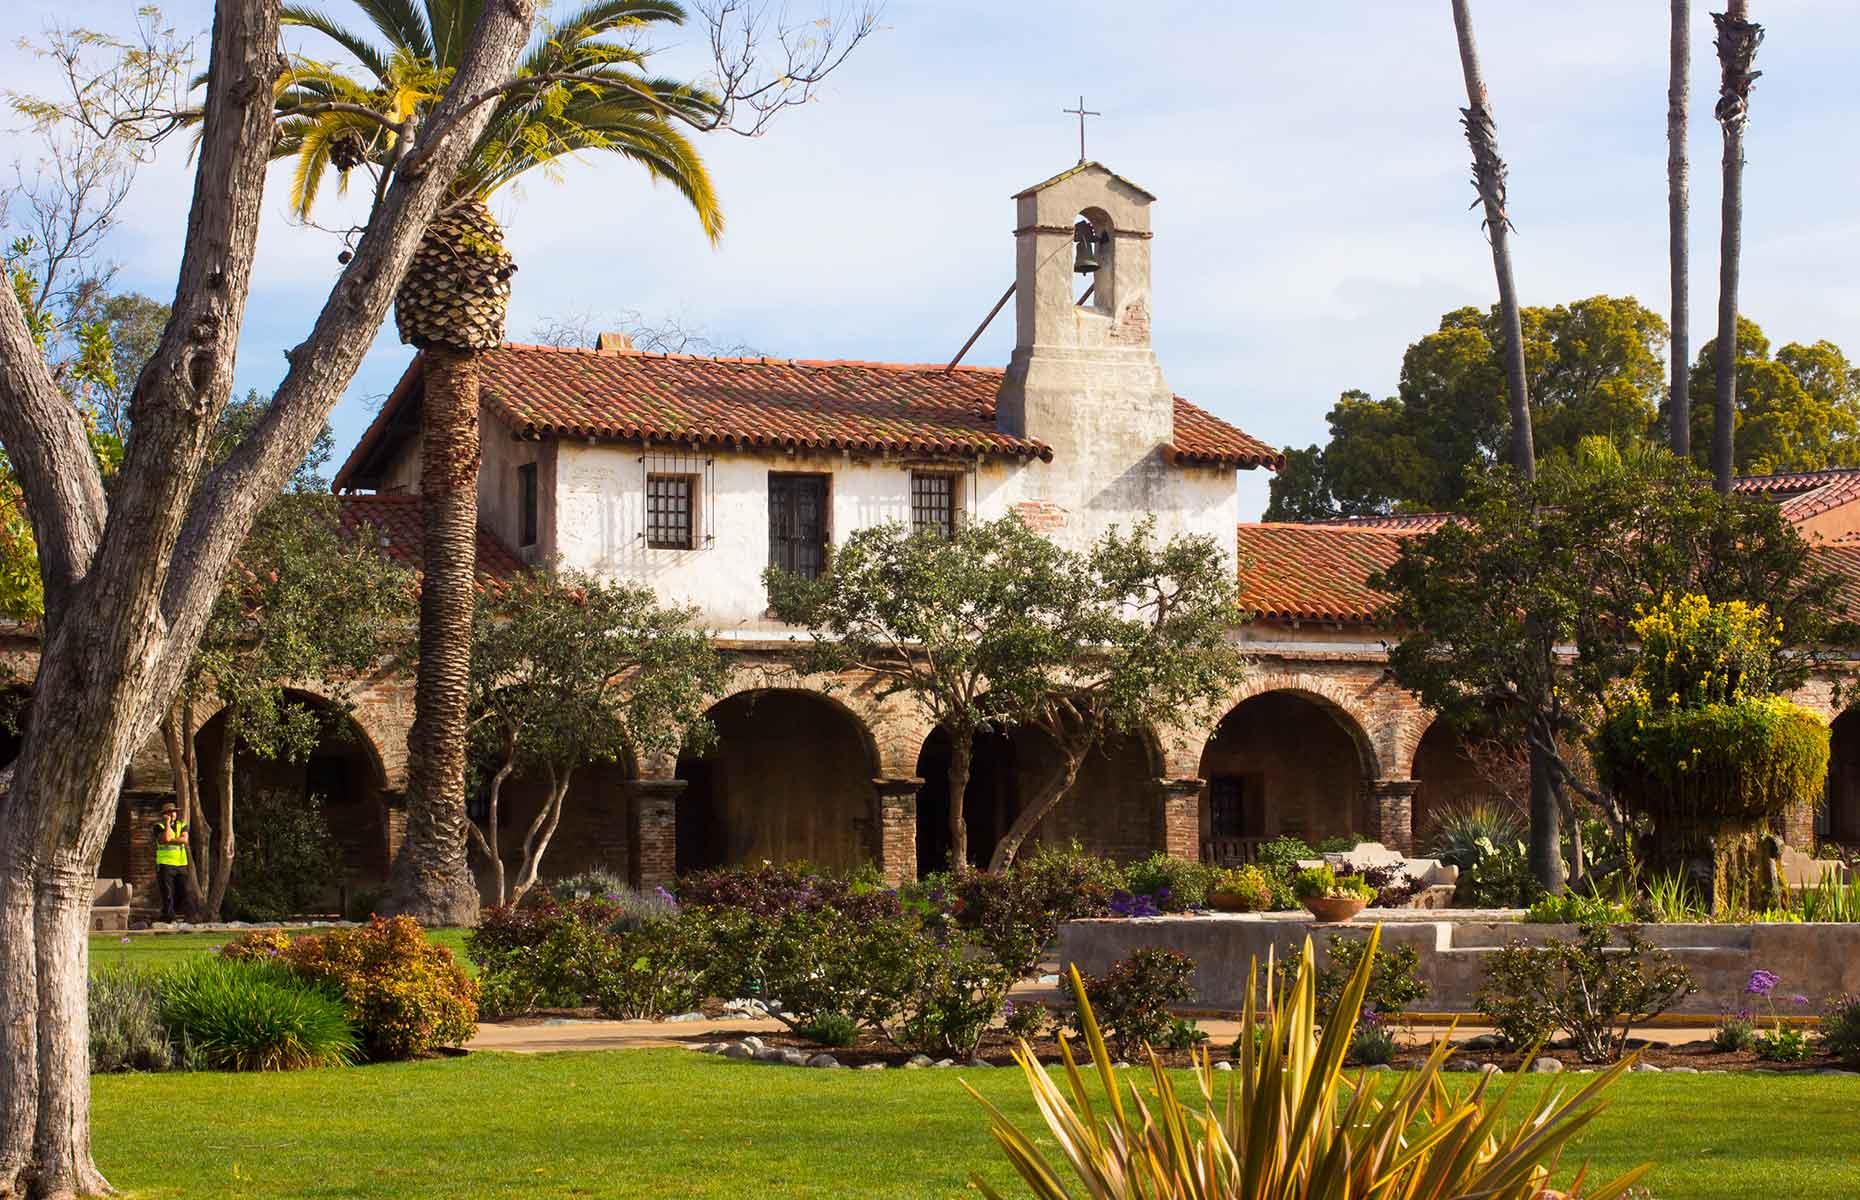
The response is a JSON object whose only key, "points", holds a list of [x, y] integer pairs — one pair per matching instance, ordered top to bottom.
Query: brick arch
{"points": [[1349, 706]]}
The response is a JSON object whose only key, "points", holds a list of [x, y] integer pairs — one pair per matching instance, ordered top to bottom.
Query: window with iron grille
{"points": [[527, 500], [933, 503], [669, 524], [1234, 807]]}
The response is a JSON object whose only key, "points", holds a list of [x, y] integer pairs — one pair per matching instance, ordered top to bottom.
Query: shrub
{"points": [[1458, 829], [1341, 843], [1284, 852], [288, 862], [1499, 877], [594, 881], [1174, 883], [1389, 883], [1353, 887], [1250, 888], [769, 890], [1672, 898], [1831, 900], [364, 903], [1571, 909], [1017, 913], [650, 971], [1394, 980], [1590, 988], [406, 995], [954, 995], [1132, 999], [248, 1016], [1027, 1019], [1840, 1028], [830, 1029], [126, 1033], [1734, 1033], [1373, 1043], [1782, 1044], [1285, 1126]]}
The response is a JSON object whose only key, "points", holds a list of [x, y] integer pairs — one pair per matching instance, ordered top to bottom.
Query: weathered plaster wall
{"points": [[500, 495]]}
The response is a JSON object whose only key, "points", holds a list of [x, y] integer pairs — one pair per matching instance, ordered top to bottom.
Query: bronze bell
{"points": [[1086, 241]]}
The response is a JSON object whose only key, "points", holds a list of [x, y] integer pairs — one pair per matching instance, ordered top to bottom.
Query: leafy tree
{"points": [[1592, 367], [1796, 411], [308, 601], [1491, 605], [941, 620], [1136, 635], [568, 670]]}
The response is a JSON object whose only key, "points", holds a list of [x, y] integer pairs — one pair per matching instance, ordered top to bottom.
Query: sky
{"points": [[1313, 181]]}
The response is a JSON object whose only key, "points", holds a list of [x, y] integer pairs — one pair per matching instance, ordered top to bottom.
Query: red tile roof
{"points": [[745, 403], [399, 521], [1393, 522], [1294, 572]]}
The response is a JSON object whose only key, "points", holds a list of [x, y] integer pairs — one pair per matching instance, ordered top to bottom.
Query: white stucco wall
{"points": [[599, 515]]}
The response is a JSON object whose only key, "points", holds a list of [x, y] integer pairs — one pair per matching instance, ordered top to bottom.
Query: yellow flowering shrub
{"points": [[1694, 652]]}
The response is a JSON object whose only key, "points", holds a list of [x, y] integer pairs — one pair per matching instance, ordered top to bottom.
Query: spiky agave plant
{"points": [[1292, 1125]]}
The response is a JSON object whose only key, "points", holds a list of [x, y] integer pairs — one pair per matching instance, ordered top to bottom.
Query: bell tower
{"points": [[1083, 378]]}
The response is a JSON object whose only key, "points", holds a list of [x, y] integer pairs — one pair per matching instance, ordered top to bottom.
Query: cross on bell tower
{"points": [[1081, 112]]}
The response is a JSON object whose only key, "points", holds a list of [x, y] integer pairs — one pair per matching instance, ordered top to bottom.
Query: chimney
{"points": [[614, 341]]}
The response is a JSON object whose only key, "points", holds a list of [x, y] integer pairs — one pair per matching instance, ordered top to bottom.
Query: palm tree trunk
{"points": [[1737, 44], [1679, 80], [1489, 178], [432, 877]]}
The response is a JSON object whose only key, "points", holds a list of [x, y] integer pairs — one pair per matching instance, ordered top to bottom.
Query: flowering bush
{"points": [[1173, 883], [1243, 889], [768, 890], [1123, 904], [1017, 913], [1593, 990], [405, 995], [1026, 1019], [1734, 1031], [1373, 1043], [1778, 1043]]}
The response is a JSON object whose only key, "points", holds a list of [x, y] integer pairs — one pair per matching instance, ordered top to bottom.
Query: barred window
{"points": [[933, 503], [527, 504], [669, 524]]}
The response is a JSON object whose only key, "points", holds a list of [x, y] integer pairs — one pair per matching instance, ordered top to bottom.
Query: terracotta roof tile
{"points": [[746, 403], [1393, 522], [400, 523], [1292, 572]]}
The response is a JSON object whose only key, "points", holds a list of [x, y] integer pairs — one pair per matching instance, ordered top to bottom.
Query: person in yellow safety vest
{"points": [[171, 859]]}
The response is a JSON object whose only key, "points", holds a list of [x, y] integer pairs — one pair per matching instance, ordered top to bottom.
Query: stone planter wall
{"points": [[1814, 960]]}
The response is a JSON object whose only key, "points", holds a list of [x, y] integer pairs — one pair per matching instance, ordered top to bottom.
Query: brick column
{"points": [[142, 812], [1180, 813], [1391, 813], [393, 827], [897, 827], [1797, 827], [652, 831]]}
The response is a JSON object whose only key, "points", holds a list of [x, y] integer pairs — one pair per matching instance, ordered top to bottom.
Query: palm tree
{"points": [[1737, 44], [1679, 80], [577, 89], [1489, 178]]}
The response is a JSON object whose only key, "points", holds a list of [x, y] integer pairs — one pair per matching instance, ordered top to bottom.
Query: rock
{"points": [[1049, 980], [687, 1016], [1485, 1041], [754, 1044], [737, 1050], [770, 1054], [794, 1058], [825, 1062], [917, 1062], [944, 1062], [978, 1062], [1462, 1064], [1223, 1065], [1120, 1066], [1546, 1066], [870, 1067], [1378, 1067], [1646, 1067], [1491, 1069], [1682, 1070]]}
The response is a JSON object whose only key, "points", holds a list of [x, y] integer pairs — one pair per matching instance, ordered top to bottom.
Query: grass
{"points": [[157, 950], [661, 1123]]}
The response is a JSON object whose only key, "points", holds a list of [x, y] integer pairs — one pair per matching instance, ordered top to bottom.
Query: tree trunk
{"points": [[1737, 50], [1489, 177], [1679, 357], [961, 760], [1044, 800], [541, 832], [487, 837], [1545, 849], [220, 876], [432, 877], [62, 921], [19, 1003]]}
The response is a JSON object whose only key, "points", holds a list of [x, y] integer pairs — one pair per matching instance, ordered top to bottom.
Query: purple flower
{"points": [[666, 895], [1123, 904], [1762, 983], [1799, 999], [1007, 1010]]}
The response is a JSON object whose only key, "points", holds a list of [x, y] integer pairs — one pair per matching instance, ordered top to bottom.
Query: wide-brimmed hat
{"points": [[170, 806]]}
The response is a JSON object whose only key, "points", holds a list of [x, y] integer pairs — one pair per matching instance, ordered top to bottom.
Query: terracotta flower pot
{"points": [[1228, 902], [1329, 909]]}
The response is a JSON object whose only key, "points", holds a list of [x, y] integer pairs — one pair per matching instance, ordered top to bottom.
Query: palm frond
{"points": [[452, 23], [402, 24], [358, 47]]}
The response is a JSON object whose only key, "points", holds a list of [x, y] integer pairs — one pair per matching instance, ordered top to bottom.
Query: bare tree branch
{"points": [[763, 63], [669, 334]]}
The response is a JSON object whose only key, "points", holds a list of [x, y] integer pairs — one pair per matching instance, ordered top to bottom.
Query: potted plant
{"points": [[1329, 898]]}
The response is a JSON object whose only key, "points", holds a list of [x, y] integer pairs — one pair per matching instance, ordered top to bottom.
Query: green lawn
{"points": [[161, 949], [668, 1123]]}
